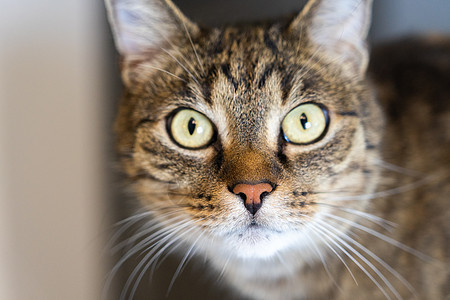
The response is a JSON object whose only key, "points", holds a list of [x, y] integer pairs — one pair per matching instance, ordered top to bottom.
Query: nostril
{"points": [[263, 195], [243, 196]]}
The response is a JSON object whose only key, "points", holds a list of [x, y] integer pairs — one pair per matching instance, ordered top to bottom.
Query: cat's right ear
{"points": [[143, 28]]}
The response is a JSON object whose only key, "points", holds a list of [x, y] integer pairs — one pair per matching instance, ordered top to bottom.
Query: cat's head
{"points": [[242, 139]]}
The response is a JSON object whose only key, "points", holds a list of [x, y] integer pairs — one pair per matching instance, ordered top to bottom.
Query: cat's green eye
{"points": [[305, 124], [190, 129]]}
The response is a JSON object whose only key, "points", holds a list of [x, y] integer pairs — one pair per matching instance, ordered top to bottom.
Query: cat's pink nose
{"points": [[252, 194]]}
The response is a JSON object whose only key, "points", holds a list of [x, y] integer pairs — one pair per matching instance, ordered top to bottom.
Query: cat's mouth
{"points": [[256, 229], [257, 240]]}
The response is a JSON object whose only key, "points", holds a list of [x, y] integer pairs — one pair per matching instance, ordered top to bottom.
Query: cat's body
{"points": [[316, 222]]}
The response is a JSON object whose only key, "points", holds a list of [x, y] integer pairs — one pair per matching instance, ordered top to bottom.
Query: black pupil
{"points": [[303, 120], [191, 125]]}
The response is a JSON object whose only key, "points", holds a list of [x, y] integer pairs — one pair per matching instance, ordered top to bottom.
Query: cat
{"points": [[273, 154]]}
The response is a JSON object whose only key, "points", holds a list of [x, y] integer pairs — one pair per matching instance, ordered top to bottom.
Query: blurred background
{"points": [[59, 85]]}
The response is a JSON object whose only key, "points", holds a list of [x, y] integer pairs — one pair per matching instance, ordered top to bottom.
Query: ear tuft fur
{"points": [[142, 26], [339, 27]]}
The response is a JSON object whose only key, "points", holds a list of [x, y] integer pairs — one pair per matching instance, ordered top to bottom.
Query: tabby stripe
{"points": [[270, 44], [218, 46], [227, 72], [267, 72], [286, 86], [347, 113], [145, 121], [149, 150], [280, 153], [126, 155], [219, 157], [163, 166], [143, 176]]}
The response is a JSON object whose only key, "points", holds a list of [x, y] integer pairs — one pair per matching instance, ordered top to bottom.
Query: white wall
{"points": [[396, 18], [51, 179]]}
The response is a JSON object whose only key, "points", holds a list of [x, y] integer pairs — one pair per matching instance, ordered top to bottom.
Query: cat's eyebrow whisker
{"points": [[176, 48], [193, 48], [187, 62], [181, 65], [305, 69], [164, 71], [302, 72], [200, 95], [390, 192], [388, 225], [381, 236], [373, 255], [366, 261]]}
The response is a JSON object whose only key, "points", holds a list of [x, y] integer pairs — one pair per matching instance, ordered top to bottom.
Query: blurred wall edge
{"points": [[51, 156]]}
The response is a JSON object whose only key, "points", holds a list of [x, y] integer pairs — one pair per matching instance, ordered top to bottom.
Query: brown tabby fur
{"points": [[245, 79]]}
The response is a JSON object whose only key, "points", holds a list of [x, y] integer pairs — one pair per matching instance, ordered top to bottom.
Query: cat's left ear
{"points": [[142, 27], [338, 27]]}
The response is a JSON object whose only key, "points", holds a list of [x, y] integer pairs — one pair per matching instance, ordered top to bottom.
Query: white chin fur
{"points": [[260, 243]]}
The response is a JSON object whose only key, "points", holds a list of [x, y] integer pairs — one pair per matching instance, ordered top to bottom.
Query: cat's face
{"points": [[242, 139]]}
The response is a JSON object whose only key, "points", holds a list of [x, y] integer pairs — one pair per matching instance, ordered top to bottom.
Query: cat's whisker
{"points": [[398, 169], [329, 192], [390, 192], [388, 225], [124, 226], [145, 229], [155, 229], [158, 234], [319, 235], [381, 236], [139, 247], [317, 251], [373, 255], [154, 256], [125, 257], [148, 259], [158, 260], [184, 262], [367, 262], [158, 263], [224, 268]]}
